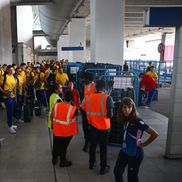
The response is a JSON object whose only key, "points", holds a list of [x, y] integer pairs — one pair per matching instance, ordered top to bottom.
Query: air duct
{"points": [[55, 17]]}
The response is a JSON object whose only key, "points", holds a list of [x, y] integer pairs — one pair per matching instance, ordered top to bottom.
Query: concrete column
{"points": [[24, 24], [107, 24], [5, 33], [14, 34], [78, 38], [63, 42], [174, 141]]}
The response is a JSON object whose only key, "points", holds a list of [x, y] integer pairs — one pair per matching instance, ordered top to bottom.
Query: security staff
{"points": [[89, 88], [99, 109], [64, 128]]}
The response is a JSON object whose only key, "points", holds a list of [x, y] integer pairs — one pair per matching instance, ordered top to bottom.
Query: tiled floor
{"points": [[26, 156]]}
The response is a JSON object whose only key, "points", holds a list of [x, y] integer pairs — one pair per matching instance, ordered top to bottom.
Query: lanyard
{"points": [[125, 131]]}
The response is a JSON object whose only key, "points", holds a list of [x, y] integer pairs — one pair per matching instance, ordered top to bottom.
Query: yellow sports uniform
{"points": [[153, 75], [40, 77], [61, 78], [9, 85], [19, 86]]}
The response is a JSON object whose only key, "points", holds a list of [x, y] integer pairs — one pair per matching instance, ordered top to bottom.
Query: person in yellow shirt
{"points": [[152, 73], [61, 77], [39, 87], [8, 88], [20, 94]]}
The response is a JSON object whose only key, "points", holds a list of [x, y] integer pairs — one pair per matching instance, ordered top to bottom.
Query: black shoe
{"points": [[85, 147], [54, 160], [65, 163], [92, 166], [105, 170]]}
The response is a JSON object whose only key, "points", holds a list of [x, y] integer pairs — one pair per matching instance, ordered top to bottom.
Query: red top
{"points": [[148, 82], [76, 97]]}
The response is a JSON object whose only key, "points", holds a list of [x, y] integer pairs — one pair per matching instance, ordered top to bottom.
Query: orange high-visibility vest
{"points": [[89, 89], [97, 111], [64, 124]]}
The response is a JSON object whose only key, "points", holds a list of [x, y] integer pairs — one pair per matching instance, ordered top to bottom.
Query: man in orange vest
{"points": [[89, 87], [99, 109], [64, 127]]}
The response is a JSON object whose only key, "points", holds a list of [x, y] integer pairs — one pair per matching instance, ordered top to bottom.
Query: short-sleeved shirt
{"points": [[132, 134]]}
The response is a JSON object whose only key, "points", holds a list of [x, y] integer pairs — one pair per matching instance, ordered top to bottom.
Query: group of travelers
{"points": [[53, 89]]}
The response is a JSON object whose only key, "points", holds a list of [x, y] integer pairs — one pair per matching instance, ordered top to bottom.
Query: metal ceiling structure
{"points": [[55, 15]]}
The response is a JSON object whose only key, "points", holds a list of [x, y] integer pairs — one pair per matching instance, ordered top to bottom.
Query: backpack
{"points": [[37, 83]]}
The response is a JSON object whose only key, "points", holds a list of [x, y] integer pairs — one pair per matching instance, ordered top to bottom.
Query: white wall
{"points": [[24, 24], [144, 48]]}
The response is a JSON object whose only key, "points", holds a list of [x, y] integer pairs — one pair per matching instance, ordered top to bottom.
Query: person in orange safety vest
{"points": [[89, 87], [99, 109], [64, 128]]}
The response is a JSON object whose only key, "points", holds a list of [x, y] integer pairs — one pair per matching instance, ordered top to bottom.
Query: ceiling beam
{"points": [[30, 2]]}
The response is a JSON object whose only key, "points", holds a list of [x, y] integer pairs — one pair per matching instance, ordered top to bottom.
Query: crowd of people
{"points": [[50, 85]]}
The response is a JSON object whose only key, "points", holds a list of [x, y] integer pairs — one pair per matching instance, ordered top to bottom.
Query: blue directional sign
{"points": [[163, 16], [77, 48]]}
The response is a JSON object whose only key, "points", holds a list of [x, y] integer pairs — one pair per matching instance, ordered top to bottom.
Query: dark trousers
{"points": [[151, 94], [41, 96], [9, 102], [19, 105], [85, 125], [98, 137], [60, 145], [133, 166]]}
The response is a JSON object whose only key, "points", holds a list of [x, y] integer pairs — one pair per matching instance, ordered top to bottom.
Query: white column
{"points": [[24, 24], [107, 24], [5, 33], [78, 38], [63, 42], [174, 136]]}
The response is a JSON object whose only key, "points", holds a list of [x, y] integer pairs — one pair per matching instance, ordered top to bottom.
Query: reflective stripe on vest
{"points": [[102, 113], [67, 122]]}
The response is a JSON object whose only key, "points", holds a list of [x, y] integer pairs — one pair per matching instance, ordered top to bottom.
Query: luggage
{"points": [[37, 108], [27, 110], [27, 113]]}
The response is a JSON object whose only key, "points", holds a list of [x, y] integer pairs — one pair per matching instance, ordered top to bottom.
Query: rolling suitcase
{"points": [[27, 113]]}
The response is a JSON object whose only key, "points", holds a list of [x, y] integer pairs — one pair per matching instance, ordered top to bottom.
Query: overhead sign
{"points": [[163, 16], [76, 48]]}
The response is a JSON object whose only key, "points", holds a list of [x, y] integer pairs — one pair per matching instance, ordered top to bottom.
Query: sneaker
{"points": [[3, 105], [146, 107], [20, 121], [14, 127], [11, 130], [65, 163], [92, 166], [105, 170]]}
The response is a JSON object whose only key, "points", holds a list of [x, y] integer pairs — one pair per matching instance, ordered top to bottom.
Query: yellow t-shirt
{"points": [[153, 75], [24, 76], [41, 77], [29, 78], [61, 78], [9, 86], [19, 86]]}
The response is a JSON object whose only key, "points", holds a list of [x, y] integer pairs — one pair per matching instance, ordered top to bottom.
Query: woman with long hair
{"points": [[131, 152]]}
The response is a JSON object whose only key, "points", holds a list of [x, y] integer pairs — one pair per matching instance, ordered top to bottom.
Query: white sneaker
{"points": [[3, 105], [20, 121], [14, 127], [11, 130]]}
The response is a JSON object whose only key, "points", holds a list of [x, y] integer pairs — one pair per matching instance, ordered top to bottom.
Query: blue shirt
{"points": [[132, 134]]}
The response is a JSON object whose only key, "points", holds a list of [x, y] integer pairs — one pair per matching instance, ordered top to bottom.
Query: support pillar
{"points": [[107, 31], [5, 33], [78, 38], [174, 141]]}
